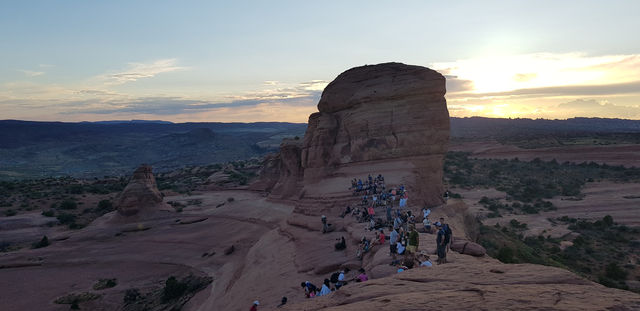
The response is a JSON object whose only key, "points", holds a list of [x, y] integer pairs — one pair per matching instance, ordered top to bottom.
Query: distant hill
{"points": [[480, 127], [89, 149]]}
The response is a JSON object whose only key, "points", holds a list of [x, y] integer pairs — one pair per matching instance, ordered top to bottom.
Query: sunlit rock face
{"points": [[376, 119]]}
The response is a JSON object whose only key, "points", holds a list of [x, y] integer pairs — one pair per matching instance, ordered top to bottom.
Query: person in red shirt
{"points": [[381, 237], [255, 306]]}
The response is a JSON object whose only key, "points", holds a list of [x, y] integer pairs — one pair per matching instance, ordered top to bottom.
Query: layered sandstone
{"points": [[389, 119], [141, 195]]}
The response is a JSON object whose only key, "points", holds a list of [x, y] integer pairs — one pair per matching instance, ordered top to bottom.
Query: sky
{"points": [[248, 61]]}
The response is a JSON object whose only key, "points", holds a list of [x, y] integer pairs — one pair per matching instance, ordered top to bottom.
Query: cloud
{"points": [[137, 71], [532, 71], [31, 73], [524, 77], [454, 84], [566, 90], [594, 108]]}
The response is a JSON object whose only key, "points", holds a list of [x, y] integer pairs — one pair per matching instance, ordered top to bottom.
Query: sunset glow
{"points": [[212, 62]]}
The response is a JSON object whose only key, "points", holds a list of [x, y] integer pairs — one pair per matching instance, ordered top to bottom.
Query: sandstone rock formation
{"points": [[387, 118], [141, 195], [468, 248], [487, 286]]}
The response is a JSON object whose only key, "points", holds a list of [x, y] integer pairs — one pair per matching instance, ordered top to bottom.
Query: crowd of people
{"points": [[403, 239], [334, 282]]}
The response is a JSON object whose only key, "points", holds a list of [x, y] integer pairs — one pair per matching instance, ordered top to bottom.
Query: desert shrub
{"points": [[230, 199], [68, 204], [104, 206], [10, 212], [48, 213], [66, 218], [608, 220], [518, 225], [44, 242], [505, 254], [105, 283], [173, 289], [131, 295], [77, 298]]}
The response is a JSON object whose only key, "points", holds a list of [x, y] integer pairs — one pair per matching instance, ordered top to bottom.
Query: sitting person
{"points": [[346, 211], [426, 223], [326, 227], [381, 237], [341, 245], [363, 248], [400, 248], [424, 260], [362, 277], [341, 278], [309, 289], [325, 290]]}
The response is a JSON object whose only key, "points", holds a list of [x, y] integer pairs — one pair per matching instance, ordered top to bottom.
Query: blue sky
{"points": [[268, 60]]}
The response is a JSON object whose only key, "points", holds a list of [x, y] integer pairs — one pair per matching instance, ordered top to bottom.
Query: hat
{"points": [[438, 224], [257, 303]]}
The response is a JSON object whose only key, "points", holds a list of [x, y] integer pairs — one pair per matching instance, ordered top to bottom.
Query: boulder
{"points": [[468, 248]]}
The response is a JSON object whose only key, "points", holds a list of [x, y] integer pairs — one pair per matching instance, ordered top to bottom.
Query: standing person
{"points": [[389, 217], [325, 225], [448, 235], [393, 238], [414, 240], [441, 249], [255, 306]]}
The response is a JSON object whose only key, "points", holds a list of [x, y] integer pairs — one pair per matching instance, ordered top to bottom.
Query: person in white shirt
{"points": [[400, 248], [325, 290]]}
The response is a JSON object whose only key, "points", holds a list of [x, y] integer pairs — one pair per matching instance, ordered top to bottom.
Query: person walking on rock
{"points": [[255, 306]]}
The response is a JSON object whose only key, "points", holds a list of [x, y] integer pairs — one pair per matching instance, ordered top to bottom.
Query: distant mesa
{"points": [[376, 119], [141, 195]]}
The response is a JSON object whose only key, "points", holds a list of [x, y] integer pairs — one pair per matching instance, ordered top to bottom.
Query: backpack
{"points": [[447, 230], [334, 277]]}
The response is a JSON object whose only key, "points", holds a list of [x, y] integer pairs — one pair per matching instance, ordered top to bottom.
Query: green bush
{"points": [[68, 204], [10, 213], [48, 213], [66, 218], [608, 220], [44, 242], [505, 254], [614, 272], [105, 283], [173, 289], [131, 295]]}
